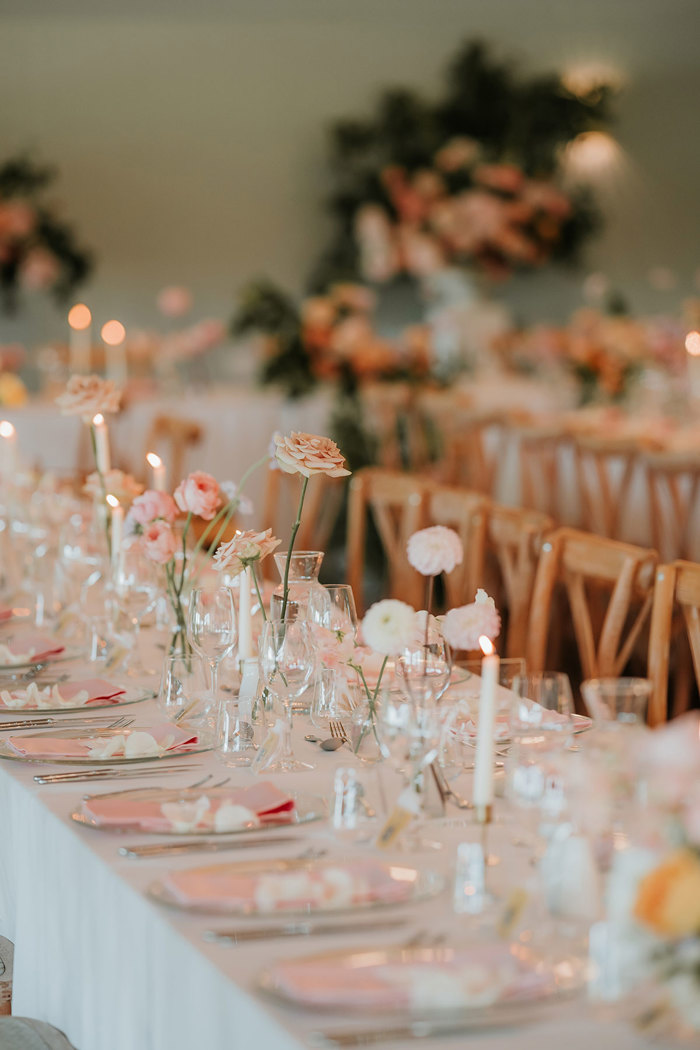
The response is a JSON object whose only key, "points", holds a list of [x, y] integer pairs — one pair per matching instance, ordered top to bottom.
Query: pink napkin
{"points": [[5, 613], [39, 645], [96, 688], [37, 746], [264, 799], [307, 888], [402, 985]]}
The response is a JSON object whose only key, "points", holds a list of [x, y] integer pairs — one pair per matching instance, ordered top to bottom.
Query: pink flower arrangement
{"points": [[199, 494], [159, 542], [435, 550], [462, 627]]}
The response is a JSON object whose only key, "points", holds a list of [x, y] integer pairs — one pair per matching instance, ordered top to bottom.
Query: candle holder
{"points": [[484, 818]]}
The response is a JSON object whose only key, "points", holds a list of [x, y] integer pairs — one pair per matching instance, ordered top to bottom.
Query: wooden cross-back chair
{"points": [[173, 437], [474, 450], [541, 450], [605, 469], [673, 481], [322, 505], [398, 505], [465, 512], [513, 540], [591, 568], [677, 589]]}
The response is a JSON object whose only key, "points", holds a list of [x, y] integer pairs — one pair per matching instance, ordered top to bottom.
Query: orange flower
{"points": [[668, 899]]}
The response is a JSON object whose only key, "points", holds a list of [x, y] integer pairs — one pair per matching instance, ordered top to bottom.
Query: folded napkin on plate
{"points": [[6, 613], [29, 647], [68, 694], [129, 743], [225, 809], [311, 888], [451, 979]]}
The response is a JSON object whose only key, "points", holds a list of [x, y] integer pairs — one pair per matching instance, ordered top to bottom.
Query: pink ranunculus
{"points": [[174, 301], [199, 494], [152, 505], [159, 542], [434, 550], [462, 627]]}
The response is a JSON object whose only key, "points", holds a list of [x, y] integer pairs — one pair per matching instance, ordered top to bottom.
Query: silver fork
{"points": [[338, 730], [188, 787], [446, 789]]}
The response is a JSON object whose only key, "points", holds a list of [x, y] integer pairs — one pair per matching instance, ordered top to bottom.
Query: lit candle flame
{"points": [[79, 317], [113, 333], [692, 343], [98, 420], [6, 429], [154, 460], [113, 501], [487, 646]]}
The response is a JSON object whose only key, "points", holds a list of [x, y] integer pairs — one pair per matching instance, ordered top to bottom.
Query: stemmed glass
{"points": [[135, 590], [334, 608], [211, 626], [287, 663], [423, 671]]}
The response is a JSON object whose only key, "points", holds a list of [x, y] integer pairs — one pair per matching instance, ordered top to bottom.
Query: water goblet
{"points": [[135, 591], [334, 608], [211, 627], [287, 663]]}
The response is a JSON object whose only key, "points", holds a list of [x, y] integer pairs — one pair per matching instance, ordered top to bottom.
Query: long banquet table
{"points": [[117, 971]]}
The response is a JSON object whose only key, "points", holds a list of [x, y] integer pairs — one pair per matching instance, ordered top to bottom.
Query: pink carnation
{"points": [[199, 494], [152, 505], [159, 542], [435, 550], [462, 627]]}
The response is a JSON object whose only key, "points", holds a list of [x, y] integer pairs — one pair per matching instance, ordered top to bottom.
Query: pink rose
{"points": [[174, 301], [199, 494], [152, 505], [159, 542], [244, 549], [435, 550], [462, 627]]}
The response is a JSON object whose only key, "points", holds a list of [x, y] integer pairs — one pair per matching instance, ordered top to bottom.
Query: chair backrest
{"points": [[175, 436], [474, 450], [541, 451], [605, 469], [673, 481], [322, 505], [398, 505], [465, 512], [514, 537], [589, 567], [677, 587]]}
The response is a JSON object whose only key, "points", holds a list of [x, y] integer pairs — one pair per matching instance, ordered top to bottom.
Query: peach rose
{"points": [[87, 395], [309, 454], [199, 494], [151, 505], [159, 542], [244, 549], [435, 550], [668, 898]]}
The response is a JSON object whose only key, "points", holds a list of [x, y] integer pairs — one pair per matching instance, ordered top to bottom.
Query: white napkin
{"points": [[35, 697], [135, 745], [141, 745], [106, 746], [185, 816], [229, 817], [331, 888]]}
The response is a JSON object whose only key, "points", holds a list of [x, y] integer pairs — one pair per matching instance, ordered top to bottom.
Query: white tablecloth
{"points": [[117, 971]]}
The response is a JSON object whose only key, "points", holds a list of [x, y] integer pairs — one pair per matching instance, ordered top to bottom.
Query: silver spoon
{"points": [[332, 743]]}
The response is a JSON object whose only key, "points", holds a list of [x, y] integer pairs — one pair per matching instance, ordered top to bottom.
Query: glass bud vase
{"points": [[304, 568]]}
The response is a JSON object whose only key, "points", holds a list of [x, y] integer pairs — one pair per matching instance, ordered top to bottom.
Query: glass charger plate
{"points": [[69, 653], [132, 696], [89, 760], [307, 809], [424, 885], [465, 985]]}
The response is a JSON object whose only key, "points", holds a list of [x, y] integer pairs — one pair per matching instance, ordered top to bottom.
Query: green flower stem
{"points": [[292, 538], [251, 566], [183, 567], [371, 701]]}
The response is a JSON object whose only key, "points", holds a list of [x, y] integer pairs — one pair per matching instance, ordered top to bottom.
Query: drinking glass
{"points": [[135, 590], [334, 608], [211, 626], [287, 663], [510, 667], [423, 671], [331, 691], [184, 695], [617, 702], [542, 706], [236, 744]]}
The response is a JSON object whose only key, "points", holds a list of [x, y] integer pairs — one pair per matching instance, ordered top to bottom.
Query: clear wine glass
{"points": [[135, 590], [334, 608], [211, 626], [287, 663], [423, 670]]}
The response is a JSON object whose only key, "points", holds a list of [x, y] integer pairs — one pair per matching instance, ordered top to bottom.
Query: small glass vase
{"points": [[304, 567], [364, 736]]}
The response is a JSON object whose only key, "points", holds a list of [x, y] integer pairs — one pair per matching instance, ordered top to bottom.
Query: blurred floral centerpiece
{"points": [[38, 250]]}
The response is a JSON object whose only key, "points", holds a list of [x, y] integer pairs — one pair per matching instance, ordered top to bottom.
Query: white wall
{"points": [[190, 136]]}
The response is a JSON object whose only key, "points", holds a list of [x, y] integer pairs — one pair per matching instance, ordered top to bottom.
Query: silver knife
{"points": [[127, 773], [200, 845], [298, 929]]}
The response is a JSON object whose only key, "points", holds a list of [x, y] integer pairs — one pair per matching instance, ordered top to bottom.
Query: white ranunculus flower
{"points": [[389, 626]]}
